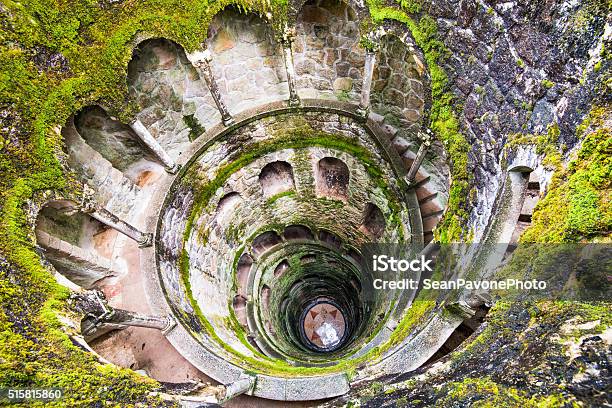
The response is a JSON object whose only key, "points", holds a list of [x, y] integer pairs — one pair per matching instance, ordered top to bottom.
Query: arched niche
{"points": [[175, 104], [114, 144], [275, 178], [332, 178], [226, 207], [373, 224], [298, 232], [330, 238], [265, 241], [78, 246], [243, 268], [281, 268], [265, 297], [239, 303]]}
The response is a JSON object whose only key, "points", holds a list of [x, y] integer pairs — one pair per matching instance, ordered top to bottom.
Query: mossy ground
{"points": [[577, 204], [520, 357]]}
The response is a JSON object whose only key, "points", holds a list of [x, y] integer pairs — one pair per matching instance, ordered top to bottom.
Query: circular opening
{"points": [[323, 326]]}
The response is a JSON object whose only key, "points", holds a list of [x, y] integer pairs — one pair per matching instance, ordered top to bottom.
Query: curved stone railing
{"points": [[204, 357]]}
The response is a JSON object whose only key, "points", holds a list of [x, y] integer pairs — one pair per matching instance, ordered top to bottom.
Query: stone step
{"points": [[420, 181], [426, 198], [429, 207], [430, 222]]}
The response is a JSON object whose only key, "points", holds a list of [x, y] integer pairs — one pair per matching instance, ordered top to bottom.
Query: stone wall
{"points": [[328, 59], [247, 60], [518, 67], [397, 90], [176, 105], [241, 209]]}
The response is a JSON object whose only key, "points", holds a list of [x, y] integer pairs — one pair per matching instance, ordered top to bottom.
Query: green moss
{"points": [[411, 6], [97, 45], [547, 83], [343, 96], [442, 119], [195, 128], [575, 207], [484, 392]]}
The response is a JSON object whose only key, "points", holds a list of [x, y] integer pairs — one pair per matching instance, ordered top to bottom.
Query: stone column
{"points": [[287, 41], [201, 62], [366, 88], [148, 139], [420, 156], [89, 206], [110, 219], [100, 317], [127, 318], [240, 386]]}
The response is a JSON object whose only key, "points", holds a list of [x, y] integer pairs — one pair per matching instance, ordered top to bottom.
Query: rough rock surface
{"points": [[519, 67], [545, 354]]}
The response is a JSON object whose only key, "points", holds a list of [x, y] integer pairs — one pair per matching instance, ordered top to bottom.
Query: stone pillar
{"points": [[287, 41], [201, 62], [366, 88], [148, 139], [420, 156], [89, 206], [108, 218], [100, 317], [127, 318], [240, 386]]}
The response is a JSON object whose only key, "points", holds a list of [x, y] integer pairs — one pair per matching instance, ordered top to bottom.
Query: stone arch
{"points": [[328, 58], [246, 60], [176, 105], [117, 145], [523, 159], [276, 177], [332, 178], [227, 204], [373, 223], [298, 232], [69, 240], [265, 241], [243, 268]]}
